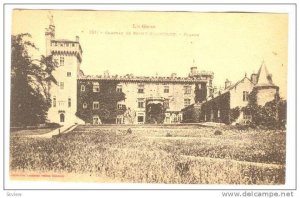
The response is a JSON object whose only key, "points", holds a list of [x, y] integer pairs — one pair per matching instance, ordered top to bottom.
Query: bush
{"points": [[234, 114], [271, 116], [53, 125], [129, 131], [217, 132], [168, 135]]}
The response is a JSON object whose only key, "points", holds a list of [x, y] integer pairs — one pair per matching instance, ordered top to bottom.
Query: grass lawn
{"points": [[157, 154]]}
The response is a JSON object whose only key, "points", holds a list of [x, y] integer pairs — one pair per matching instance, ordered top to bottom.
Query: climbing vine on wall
{"points": [[107, 97], [271, 115]]}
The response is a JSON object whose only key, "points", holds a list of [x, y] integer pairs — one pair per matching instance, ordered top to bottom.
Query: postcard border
{"points": [[293, 4]]}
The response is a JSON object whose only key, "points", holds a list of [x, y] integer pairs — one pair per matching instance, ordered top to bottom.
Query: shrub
{"points": [[234, 114], [217, 132], [168, 135]]}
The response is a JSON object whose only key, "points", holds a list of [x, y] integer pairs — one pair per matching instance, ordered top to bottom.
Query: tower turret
{"points": [[49, 34], [265, 89]]}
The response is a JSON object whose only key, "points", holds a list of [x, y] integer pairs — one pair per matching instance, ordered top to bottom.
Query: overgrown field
{"points": [[157, 154]]}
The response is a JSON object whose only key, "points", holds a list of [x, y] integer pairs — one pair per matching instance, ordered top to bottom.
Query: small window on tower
{"points": [[62, 61], [68, 74], [61, 85], [54, 102], [69, 102], [84, 105]]}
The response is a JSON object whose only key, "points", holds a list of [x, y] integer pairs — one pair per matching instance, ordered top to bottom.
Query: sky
{"points": [[231, 45]]}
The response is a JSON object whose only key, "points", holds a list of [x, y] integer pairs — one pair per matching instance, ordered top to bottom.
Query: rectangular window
{"points": [[62, 61], [68, 74], [61, 85], [96, 87], [119, 88], [140, 88], [166, 89], [187, 89], [245, 95], [54, 101], [69, 102], [187, 102], [141, 103], [167, 103], [95, 105], [120, 106], [119, 120]]}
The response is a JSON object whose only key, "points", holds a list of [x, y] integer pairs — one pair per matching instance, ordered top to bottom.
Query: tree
{"points": [[30, 81]]}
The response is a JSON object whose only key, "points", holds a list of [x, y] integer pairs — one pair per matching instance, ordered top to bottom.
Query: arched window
{"points": [[82, 88], [54, 101], [84, 105]]}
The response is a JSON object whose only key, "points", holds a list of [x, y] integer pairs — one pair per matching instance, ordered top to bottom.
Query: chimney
{"points": [[77, 39], [194, 71], [106, 74], [173, 75], [254, 78], [227, 83]]}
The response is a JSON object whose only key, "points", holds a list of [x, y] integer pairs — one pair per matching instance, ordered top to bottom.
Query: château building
{"points": [[79, 98], [129, 99]]}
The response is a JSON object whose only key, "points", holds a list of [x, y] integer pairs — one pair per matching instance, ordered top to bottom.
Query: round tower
{"points": [[265, 89]]}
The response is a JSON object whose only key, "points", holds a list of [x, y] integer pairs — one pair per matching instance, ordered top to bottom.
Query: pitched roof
{"points": [[264, 77]]}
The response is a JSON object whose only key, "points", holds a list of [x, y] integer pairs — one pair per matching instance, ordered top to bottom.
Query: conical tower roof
{"points": [[264, 77]]}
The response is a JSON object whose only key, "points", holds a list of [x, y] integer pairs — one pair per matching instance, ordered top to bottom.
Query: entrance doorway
{"points": [[62, 117]]}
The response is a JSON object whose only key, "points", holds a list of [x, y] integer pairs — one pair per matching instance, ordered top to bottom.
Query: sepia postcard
{"points": [[148, 97]]}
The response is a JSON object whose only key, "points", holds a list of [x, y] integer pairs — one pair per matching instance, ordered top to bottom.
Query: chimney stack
{"points": [[77, 39], [194, 71], [173, 75], [254, 78], [227, 83]]}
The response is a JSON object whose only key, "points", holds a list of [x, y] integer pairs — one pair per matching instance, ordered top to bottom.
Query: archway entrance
{"points": [[155, 111], [62, 117], [96, 120]]}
